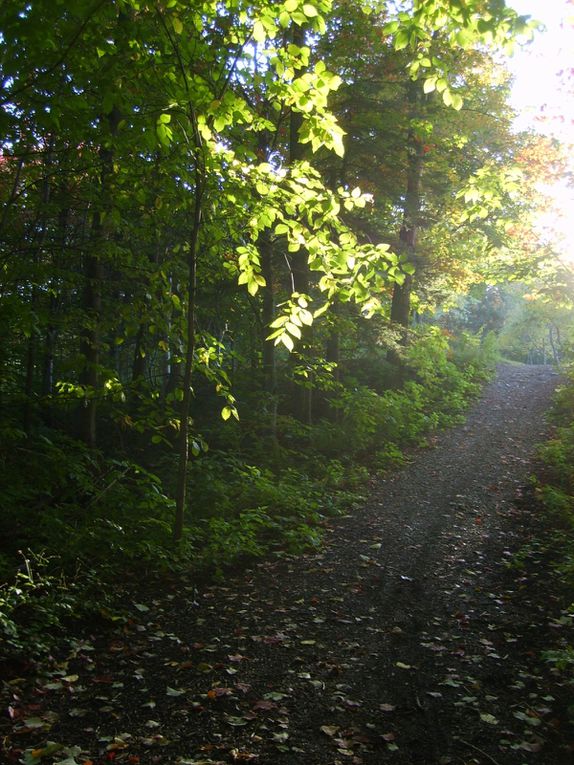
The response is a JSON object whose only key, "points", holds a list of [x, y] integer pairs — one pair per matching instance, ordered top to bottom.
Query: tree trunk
{"points": [[300, 260], [94, 279], [55, 299], [401, 302], [267, 316], [90, 341], [553, 344], [31, 355], [139, 363], [183, 441]]}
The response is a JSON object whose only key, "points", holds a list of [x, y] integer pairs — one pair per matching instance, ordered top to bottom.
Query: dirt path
{"points": [[408, 640]]}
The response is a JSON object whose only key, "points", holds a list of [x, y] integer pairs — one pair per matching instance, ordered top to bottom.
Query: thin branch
{"points": [[233, 67], [30, 83], [291, 274], [480, 751]]}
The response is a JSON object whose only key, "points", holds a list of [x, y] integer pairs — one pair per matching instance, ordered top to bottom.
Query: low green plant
{"points": [[389, 457], [555, 488], [245, 499], [34, 608], [562, 659]]}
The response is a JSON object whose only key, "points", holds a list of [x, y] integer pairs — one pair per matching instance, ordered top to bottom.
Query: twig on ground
{"points": [[480, 751]]}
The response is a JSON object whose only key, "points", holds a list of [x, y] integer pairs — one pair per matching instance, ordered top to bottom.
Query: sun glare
{"points": [[542, 96]]}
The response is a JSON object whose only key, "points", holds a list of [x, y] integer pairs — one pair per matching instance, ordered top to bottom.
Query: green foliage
{"points": [[174, 190], [478, 350], [380, 423], [558, 452], [389, 457], [556, 480], [109, 512], [35, 608], [563, 660]]}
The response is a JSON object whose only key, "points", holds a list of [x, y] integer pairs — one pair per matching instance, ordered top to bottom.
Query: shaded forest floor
{"points": [[413, 637]]}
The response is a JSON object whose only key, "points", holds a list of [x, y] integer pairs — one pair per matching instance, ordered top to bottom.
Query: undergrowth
{"points": [[555, 487], [76, 522]]}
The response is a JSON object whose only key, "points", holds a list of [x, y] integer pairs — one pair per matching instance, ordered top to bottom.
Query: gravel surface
{"points": [[413, 637]]}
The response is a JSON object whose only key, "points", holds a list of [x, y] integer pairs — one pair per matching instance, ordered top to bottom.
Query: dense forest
{"points": [[252, 253]]}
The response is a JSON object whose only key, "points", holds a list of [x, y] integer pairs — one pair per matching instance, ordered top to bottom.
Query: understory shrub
{"points": [[437, 394], [555, 487], [89, 519], [34, 607]]}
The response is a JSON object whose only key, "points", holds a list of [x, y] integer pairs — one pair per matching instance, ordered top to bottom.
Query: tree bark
{"points": [[300, 261], [401, 302], [90, 341], [90, 345], [31, 354], [183, 445]]}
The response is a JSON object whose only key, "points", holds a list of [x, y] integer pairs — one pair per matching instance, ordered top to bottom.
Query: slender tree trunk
{"points": [[296, 149], [13, 194], [300, 260], [55, 298], [401, 302], [267, 316], [90, 341], [90, 345], [553, 345], [268, 354], [31, 355], [139, 363], [30, 370], [181, 490]]}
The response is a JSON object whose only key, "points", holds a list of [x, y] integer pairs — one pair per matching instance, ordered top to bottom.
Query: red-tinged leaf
{"points": [[237, 657], [264, 705], [388, 737], [116, 745]]}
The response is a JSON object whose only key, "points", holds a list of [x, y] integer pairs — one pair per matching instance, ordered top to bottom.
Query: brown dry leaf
{"points": [[219, 692]]}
